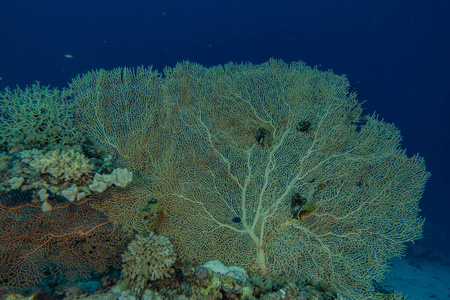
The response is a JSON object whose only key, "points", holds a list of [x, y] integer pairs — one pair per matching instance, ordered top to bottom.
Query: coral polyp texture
{"points": [[37, 116], [61, 165], [271, 167], [71, 239], [147, 259]]}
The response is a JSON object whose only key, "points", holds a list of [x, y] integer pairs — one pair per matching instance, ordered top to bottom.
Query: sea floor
{"points": [[421, 276]]}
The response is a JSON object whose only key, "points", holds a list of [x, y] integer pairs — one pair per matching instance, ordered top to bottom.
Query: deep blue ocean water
{"points": [[395, 53]]}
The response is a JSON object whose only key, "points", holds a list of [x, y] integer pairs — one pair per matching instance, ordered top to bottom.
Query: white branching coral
{"points": [[37, 115], [147, 258]]}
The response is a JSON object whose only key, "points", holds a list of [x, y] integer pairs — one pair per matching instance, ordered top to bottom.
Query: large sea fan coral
{"points": [[273, 167]]}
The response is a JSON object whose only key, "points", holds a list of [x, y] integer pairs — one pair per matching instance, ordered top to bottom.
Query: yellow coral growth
{"points": [[119, 109], [65, 165], [272, 167]]}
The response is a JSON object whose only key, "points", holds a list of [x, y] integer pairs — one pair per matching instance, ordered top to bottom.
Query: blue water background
{"points": [[396, 54]]}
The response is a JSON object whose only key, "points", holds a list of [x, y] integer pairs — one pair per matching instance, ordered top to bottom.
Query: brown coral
{"points": [[71, 239], [147, 258]]}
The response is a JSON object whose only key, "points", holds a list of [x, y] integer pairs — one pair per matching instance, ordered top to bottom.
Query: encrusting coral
{"points": [[119, 177]]}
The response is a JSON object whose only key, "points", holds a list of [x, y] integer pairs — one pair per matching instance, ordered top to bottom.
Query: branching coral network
{"points": [[272, 167], [71, 239]]}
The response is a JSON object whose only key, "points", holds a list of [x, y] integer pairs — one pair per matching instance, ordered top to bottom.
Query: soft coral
{"points": [[71, 239]]}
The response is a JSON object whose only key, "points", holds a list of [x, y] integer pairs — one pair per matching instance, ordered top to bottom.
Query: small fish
{"points": [[68, 55], [14, 149]]}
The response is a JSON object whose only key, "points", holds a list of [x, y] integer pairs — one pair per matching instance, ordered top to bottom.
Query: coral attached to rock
{"points": [[37, 115], [65, 165], [273, 167], [119, 177], [147, 258]]}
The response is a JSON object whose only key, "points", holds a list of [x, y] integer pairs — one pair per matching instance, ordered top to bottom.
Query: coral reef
{"points": [[130, 99], [37, 117], [228, 148], [46, 165], [61, 165], [273, 169], [54, 170], [61, 172], [119, 177], [233, 183], [132, 208], [71, 239], [147, 259], [237, 273], [187, 285]]}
